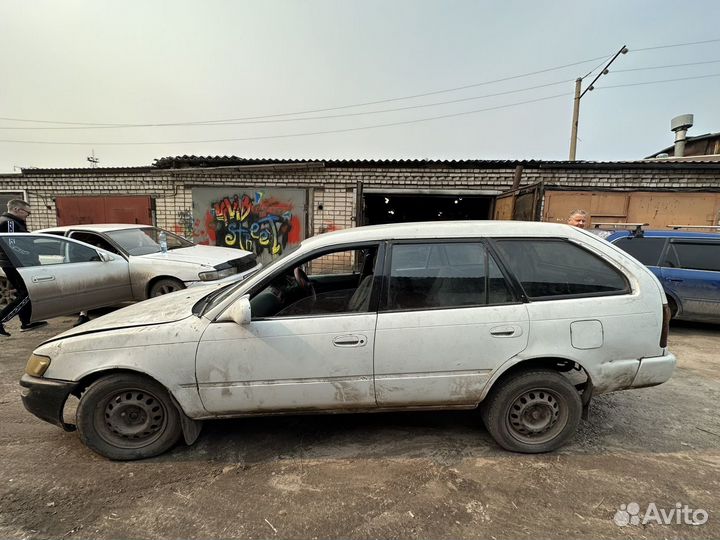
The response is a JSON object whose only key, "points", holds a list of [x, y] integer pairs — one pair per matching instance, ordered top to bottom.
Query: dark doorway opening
{"points": [[393, 208]]}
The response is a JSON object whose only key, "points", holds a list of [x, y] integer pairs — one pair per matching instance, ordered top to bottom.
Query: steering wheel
{"points": [[304, 282]]}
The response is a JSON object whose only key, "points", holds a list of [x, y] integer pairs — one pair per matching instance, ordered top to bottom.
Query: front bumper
{"points": [[46, 398]]}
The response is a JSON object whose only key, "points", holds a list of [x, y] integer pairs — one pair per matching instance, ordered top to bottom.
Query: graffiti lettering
{"points": [[252, 223]]}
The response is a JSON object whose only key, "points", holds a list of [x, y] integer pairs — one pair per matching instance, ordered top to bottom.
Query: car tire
{"points": [[165, 286], [7, 292], [532, 411], [126, 417]]}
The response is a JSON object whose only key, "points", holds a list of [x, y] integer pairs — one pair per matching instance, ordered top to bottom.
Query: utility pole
{"points": [[579, 95], [576, 115]]}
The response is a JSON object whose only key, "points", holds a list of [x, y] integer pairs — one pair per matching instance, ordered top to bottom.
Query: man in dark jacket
{"points": [[13, 221]]}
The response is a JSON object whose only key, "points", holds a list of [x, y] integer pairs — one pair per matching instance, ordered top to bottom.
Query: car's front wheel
{"points": [[165, 286], [533, 411], [126, 416]]}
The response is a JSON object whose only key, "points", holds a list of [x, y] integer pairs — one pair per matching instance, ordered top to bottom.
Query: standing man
{"points": [[577, 218], [13, 221]]}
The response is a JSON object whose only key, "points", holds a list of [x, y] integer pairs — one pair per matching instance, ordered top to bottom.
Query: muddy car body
{"points": [[156, 269], [65, 276], [527, 320]]}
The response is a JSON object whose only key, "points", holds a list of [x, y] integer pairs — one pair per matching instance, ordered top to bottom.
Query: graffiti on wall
{"points": [[254, 222], [184, 224]]}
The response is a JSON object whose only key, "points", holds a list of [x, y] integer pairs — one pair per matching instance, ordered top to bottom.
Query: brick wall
{"points": [[333, 190]]}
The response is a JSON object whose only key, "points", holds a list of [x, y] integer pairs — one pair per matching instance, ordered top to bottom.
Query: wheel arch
{"points": [[674, 299], [553, 363], [190, 427]]}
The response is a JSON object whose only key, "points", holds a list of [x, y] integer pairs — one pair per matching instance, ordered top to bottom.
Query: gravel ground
{"points": [[413, 475]]}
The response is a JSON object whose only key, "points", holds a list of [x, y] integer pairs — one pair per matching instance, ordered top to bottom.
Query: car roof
{"points": [[97, 227], [444, 229], [664, 234]]}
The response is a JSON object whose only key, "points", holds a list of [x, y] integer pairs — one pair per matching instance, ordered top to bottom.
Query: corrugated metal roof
{"points": [[671, 148], [180, 162], [199, 162]]}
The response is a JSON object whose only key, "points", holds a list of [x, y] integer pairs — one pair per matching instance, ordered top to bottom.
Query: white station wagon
{"points": [[526, 320]]}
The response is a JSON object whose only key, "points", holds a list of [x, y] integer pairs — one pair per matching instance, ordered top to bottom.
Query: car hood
{"points": [[200, 255], [159, 310]]}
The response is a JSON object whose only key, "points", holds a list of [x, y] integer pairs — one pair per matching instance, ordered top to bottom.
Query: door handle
{"points": [[38, 279], [675, 280], [506, 331], [350, 340]]}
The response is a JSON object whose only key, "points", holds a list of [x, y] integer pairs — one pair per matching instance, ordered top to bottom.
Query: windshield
{"points": [[146, 240], [218, 296]]}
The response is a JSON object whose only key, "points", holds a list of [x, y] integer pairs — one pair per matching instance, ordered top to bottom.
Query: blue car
{"points": [[686, 263]]}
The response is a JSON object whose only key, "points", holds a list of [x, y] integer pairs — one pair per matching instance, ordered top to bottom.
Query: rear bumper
{"points": [[655, 370], [632, 373], [46, 398]]}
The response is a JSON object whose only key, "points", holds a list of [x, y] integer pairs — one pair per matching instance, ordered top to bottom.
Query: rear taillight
{"points": [[665, 326]]}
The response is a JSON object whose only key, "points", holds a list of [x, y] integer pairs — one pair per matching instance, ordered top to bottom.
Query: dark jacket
{"points": [[11, 224]]}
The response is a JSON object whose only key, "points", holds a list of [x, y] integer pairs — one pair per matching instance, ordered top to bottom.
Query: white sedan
{"points": [[81, 267]]}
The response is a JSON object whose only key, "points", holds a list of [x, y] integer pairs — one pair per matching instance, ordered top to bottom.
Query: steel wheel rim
{"points": [[165, 289], [536, 416], [131, 418]]}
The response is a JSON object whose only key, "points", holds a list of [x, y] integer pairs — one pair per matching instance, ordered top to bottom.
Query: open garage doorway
{"points": [[380, 208]]}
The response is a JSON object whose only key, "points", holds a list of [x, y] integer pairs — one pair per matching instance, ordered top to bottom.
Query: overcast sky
{"points": [[174, 62]]}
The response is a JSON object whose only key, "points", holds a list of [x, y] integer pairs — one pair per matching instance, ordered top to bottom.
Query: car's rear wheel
{"points": [[165, 286], [7, 292], [533, 411], [127, 416]]}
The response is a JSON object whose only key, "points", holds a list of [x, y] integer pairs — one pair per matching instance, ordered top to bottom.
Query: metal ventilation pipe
{"points": [[680, 125]]}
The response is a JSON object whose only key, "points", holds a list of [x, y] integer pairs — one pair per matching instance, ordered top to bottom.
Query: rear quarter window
{"points": [[645, 250], [551, 268]]}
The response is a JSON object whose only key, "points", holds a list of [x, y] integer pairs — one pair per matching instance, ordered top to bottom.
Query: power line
{"points": [[676, 45], [666, 66], [662, 81], [309, 111], [379, 111], [326, 117], [346, 130], [289, 135]]}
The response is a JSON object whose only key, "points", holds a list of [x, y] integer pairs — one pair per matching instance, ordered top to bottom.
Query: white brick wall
{"points": [[332, 200]]}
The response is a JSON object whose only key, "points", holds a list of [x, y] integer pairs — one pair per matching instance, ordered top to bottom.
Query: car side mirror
{"points": [[104, 256], [239, 312]]}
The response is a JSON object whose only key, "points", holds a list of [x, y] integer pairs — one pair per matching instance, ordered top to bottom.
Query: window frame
{"points": [[673, 241], [65, 243], [661, 254], [610, 262], [283, 267], [383, 307]]}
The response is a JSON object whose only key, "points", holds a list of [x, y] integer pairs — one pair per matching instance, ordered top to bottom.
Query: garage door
{"points": [[77, 210]]}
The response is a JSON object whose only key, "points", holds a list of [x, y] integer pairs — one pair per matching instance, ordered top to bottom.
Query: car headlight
{"points": [[212, 275], [37, 365]]}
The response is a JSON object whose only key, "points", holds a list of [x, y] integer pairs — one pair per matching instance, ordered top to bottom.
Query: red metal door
{"points": [[77, 210]]}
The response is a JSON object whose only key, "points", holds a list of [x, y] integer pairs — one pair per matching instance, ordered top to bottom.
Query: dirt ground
{"points": [[414, 475]]}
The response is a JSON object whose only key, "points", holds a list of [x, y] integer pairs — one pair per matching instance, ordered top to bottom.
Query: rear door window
{"points": [[645, 250], [693, 255], [551, 268], [444, 275]]}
